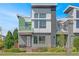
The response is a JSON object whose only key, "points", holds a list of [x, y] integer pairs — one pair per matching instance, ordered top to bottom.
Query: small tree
{"points": [[15, 35], [61, 40], [9, 42], [1, 43], [76, 43]]}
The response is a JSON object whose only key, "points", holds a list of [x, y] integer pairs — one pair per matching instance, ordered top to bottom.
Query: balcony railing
{"points": [[26, 29]]}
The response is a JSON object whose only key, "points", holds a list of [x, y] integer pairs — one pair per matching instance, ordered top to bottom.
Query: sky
{"points": [[61, 7], [8, 14]]}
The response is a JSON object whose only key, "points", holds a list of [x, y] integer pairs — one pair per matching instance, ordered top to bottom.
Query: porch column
{"points": [[53, 27], [70, 36]]}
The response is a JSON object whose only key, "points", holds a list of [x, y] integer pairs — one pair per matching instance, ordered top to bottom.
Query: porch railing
{"points": [[27, 29]]}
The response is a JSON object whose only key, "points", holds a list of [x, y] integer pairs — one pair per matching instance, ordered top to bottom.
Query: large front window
{"points": [[42, 15], [39, 23], [77, 23], [39, 40]]}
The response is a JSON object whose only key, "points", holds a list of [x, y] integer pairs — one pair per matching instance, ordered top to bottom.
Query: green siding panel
{"points": [[21, 22]]}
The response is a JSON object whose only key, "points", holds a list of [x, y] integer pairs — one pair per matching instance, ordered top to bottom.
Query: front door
{"points": [[29, 41]]}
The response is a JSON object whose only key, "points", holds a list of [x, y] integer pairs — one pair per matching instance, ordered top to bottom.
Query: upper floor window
{"points": [[77, 14], [36, 15], [42, 15], [39, 23], [36, 24], [42, 24]]}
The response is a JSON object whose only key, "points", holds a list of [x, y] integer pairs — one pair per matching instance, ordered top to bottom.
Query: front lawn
{"points": [[38, 54]]}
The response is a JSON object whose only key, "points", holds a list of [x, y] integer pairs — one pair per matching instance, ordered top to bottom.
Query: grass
{"points": [[2, 53], [39, 54]]}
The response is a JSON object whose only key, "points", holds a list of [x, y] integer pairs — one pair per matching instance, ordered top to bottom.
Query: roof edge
{"points": [[44, 4], [69, 8], [23, 16]]}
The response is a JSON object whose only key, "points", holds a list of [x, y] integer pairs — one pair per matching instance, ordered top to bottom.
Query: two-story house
{"points": [[73, 14], [38, 30], [69, 30]]}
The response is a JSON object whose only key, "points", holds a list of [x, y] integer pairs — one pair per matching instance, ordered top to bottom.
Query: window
{"points": [[77, 13], [36, 15], [42, 15], [77, 23], [36, 24], [42, 24], [26, 25], [39, 39], [42, 39], [35, 40]]}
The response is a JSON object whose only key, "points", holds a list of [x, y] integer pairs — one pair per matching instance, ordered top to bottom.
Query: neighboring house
{"points": [[73, 13], [70, 26], [39, 30], [1, 36]]}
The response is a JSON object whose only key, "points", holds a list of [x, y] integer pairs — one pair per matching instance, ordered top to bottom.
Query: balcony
{"points": [[25, 30]]}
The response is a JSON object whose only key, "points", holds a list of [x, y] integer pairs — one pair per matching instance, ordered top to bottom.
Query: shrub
{"points": [[61, 39], [76, 43], [43, 49], [52, 49], [74, 49], [11, 50], [14, 50], [22, 50], [40, 50], [56, 50], [61, 50]]}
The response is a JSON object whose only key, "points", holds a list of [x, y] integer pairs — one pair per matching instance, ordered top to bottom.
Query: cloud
{"points": [[7, 13], [8, 16], [8, 20]]}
